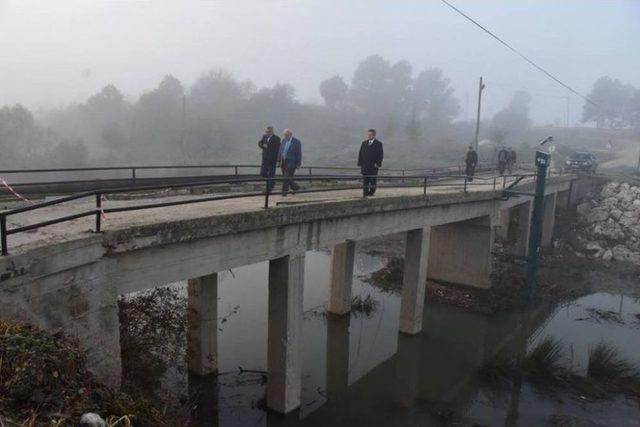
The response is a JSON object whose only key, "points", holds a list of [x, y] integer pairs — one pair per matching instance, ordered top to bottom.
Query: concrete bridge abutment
{"points": [[562, 199], [549, 219], [521, 222], [513, 227], [460, 252], [67, 288]]}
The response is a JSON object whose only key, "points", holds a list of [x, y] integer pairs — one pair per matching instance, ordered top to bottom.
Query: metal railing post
{"points": [[236, 170], [310, 173], [133, 175], [504, 181], [494, 183], [465, 184], [425, 186], [266, 194], [99, 212], [3, 234]]}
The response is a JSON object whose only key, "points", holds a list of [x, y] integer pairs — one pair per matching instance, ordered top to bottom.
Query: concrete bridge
{"points": [[63, 277]]}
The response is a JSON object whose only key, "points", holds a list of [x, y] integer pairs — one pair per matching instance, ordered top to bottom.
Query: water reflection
{"points": [[357, 369]]}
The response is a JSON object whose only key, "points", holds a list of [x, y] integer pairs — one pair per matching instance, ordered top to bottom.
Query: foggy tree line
{"points": [[615, 104], [218, 119]]}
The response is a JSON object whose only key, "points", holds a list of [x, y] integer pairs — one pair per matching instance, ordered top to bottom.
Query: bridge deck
{"points": [[82, 227]]}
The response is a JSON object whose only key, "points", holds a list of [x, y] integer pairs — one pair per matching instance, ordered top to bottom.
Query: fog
{"points": [[45, 45], [57, 54]]}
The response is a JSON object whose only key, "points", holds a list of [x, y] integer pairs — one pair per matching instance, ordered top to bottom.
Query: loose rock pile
{"points": [[609, 224]]}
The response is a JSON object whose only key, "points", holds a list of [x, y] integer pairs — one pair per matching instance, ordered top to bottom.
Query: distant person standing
{"points": [[270, 146], [503, 156], [289, 159], [370, 160], [511, 160], [471, 162]]}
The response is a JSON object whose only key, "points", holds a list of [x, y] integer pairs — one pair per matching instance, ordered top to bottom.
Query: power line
{"points": [[514, 50]]}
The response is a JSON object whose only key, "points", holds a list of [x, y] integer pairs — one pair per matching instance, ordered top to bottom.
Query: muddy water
{"points": [[359, 371]]}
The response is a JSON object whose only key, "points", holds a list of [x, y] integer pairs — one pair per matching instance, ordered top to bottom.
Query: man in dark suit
{"points": [[270, 146], [503, 156], [289, 159], [370, 160], [471, 162]]}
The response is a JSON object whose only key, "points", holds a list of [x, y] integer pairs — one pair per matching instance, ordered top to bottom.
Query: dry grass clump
{"points": [[607, 365], [607, 372]]}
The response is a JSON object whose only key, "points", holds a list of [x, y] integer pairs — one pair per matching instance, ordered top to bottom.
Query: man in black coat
{"points": [[270, 146], [503, 157], [370, 160], [471, 162]]}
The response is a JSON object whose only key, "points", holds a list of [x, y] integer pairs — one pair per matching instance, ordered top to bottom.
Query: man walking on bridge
{"points": [[270, 146], [289, 159], [370, 160], [471, 162]]}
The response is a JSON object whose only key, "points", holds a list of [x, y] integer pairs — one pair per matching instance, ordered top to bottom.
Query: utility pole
{"points": [[480, 89]]}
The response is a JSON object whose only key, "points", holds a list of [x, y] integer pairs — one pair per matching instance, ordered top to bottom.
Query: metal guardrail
{"points": [[235, 167], [126, 176], [398, 181]]}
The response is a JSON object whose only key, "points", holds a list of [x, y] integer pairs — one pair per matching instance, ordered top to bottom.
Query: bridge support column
{"points": [[562, 200], [523, 216], [549, 219], [504, 221], [460, 252], [340, 277], [414, 280], [202, 320], [284, 346], [337, 353]]}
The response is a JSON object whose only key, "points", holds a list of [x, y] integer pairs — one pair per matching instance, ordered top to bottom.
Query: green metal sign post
{"points": [[535, 233]]}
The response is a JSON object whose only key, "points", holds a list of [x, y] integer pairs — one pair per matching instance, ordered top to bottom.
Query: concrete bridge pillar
{"points": [[562, 199], [549, 219], [504, 221], [521, 233], [460, 252], [340, 277], [414, 281], [202, 320], [284, 345]]}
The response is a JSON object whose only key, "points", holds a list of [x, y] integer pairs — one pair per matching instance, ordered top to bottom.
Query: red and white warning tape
{"points": [[14, 192]]}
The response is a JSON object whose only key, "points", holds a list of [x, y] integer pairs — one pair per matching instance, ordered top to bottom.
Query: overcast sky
{"points": [[45, 45]]}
